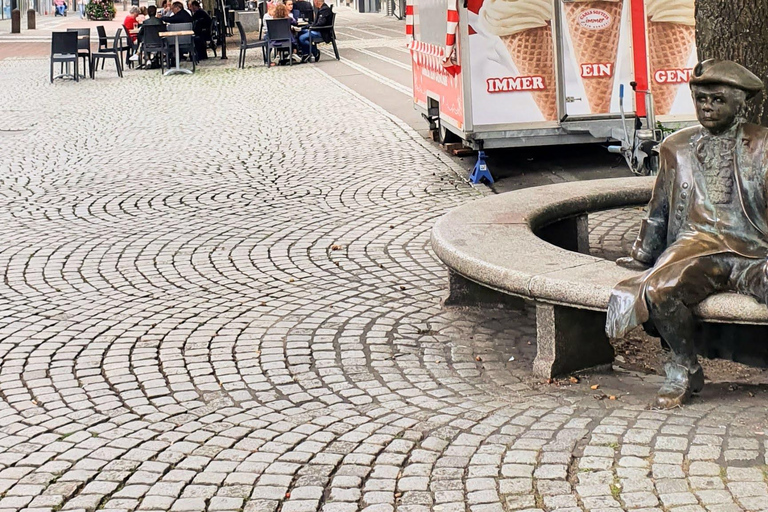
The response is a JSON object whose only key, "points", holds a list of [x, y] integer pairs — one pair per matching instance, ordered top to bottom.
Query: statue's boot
{"points": [[680, 383]]}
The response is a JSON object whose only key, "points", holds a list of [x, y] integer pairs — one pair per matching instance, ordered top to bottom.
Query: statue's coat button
{"points": [[685, 185], [683, 194]]}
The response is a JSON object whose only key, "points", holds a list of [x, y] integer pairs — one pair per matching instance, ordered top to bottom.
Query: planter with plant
{"points": [[100, 10]]}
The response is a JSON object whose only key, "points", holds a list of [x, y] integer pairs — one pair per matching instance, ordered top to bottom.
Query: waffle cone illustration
{"points": [[595, 46], [670, 46], [534, 55]]}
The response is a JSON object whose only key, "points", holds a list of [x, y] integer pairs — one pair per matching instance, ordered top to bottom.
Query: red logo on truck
{"points": [[594, 19], [597, 70], [672, 76], [516, 83]]}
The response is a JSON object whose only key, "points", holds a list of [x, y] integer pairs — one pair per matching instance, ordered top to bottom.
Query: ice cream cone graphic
{"points": [[525, 28], [594, 28], [671, 37], [532, 52]]}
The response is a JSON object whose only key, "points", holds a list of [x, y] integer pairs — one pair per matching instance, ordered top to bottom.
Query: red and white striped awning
{"points": [[452, 25], [427, 55]]}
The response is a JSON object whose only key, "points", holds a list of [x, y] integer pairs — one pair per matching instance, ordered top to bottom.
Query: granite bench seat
{"points": [[533, 244]]}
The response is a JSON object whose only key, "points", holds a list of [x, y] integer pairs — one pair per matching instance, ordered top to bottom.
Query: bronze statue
{"points": [[707, 225]]}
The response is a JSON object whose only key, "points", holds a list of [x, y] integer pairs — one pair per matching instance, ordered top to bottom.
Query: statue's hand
{"points": [[632, 264]]}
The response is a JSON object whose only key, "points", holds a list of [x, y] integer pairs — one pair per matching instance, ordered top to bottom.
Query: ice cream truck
{"points": [[507, 73]]}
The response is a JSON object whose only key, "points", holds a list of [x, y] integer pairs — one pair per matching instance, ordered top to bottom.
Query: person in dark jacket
{"points": [[180, 15], [322, 19], [151, 20], [202, 29]]}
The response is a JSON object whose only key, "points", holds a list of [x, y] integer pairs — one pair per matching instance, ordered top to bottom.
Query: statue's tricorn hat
{"points": [[726, 72]]}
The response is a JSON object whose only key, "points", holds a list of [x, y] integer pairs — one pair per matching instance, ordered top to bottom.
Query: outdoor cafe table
{"points": [[300, 25], [176, 35]]}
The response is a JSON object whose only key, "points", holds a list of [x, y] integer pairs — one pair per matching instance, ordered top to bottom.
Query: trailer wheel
{"points": [[445, 135]]}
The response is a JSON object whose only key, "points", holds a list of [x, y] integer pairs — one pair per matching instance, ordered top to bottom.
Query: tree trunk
{"points": [[736, 30]]}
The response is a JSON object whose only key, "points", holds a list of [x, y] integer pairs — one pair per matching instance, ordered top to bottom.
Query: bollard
{"points": [[31, 19], [16, 21]]}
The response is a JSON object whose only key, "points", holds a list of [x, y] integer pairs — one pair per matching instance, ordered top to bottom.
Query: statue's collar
{"points": [[731, 133], [729, 137]]}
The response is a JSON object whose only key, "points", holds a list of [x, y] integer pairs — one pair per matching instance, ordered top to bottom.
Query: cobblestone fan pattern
{"points": [[612, 232], [217, 298]]}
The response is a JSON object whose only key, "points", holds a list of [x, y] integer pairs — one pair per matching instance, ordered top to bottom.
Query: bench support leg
{"points": [[463, 292], [569, 339]]}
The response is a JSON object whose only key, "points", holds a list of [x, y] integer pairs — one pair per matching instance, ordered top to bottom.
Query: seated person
{"points": [[61, 7], [165, 9], [282, 12], [142, 15], [180, 15], [270, 15], [291, 16], [323, 19], [151, 20], [130, 22], [202, 29]]}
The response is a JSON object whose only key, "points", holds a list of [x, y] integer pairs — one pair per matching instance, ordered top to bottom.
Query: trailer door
{"points": [[595, 38], [513, 56]]}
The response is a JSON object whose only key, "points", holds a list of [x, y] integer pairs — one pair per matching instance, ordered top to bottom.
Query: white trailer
{"points": [[510, 73]]}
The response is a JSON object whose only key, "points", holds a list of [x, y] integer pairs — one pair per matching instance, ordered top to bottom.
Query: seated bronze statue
{"points": [[707, 225]]}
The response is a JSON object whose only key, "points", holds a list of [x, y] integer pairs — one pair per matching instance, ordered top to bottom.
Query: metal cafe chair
{"points": [[262, 12], [330, 28], [279, 38], [103, 40], [186, 43], [154, 44], [245, 45], [83, 46], [131, 47], [119, 48], [64, 50], [108, 53]]}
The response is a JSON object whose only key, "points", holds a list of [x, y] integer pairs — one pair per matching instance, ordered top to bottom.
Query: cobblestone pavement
{"points": [[612, 232], [214, 302]]}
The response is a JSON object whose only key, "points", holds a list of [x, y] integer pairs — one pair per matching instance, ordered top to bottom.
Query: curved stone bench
{"points": [[517, 243]]}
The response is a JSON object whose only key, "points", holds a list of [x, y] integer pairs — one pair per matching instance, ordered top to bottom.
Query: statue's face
{"points": [[716, 106]]}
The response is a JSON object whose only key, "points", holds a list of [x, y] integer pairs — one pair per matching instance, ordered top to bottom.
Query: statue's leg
{"points": [[749, 277], [671, 292], [675, 323], [684, 376]]}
